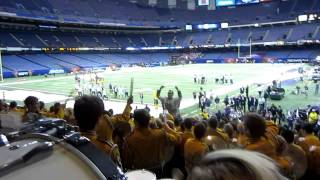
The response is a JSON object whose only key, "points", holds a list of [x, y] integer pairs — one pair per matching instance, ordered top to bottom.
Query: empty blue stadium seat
{"points": [[16, 63]]}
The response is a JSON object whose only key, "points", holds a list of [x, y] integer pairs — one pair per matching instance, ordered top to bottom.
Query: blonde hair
{"points": [[236, 165]]}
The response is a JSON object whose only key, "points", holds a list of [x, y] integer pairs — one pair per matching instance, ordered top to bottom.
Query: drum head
{"points": [[64, 163], [140, 175]]}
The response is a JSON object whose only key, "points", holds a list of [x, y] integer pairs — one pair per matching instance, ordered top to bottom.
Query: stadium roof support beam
{"points": [[263, 24], [316, 32], [15, 38]]}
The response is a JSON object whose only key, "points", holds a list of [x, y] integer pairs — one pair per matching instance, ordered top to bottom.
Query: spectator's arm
{"points": [[159, 92], [179, 92], [125, 116], [173, 136]]}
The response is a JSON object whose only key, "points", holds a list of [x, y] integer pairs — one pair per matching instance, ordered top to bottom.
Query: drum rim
{"points": [[69, 147]]}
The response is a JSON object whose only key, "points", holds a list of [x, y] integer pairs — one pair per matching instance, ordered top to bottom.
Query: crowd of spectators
{"points": [[252, 146]]}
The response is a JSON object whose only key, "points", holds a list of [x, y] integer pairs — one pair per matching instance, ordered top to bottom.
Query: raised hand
{"points": [[130, 100]]}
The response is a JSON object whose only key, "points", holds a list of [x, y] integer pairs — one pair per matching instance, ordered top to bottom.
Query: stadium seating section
{"points": [[139, 13], [288, 33], [44, 62]]}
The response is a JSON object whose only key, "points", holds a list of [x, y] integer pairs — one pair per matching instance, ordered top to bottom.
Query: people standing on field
{"points": [[317, 88], [141, 97]]}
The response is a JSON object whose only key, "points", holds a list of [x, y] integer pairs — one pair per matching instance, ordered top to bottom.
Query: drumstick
{"points": [[131, 86]]}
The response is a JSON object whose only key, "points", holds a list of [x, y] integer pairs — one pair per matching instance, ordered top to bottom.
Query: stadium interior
{"points": [[160, 89]]}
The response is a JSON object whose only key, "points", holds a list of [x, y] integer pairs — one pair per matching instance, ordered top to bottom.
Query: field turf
{"points": [[148, 80]]}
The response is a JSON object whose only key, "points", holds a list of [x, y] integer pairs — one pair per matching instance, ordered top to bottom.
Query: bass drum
{"points": [[60, 161]]}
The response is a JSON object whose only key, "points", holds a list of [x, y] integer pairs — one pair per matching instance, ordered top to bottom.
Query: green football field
{"points": [[148, 80]]}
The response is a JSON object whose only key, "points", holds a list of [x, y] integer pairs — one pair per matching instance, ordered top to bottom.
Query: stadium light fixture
{"points": [[203, 2], [312, 17], [303, 18], [224, 25], [207, 26], [48, 27], [189, 27], [83, 49], [131, 49]]}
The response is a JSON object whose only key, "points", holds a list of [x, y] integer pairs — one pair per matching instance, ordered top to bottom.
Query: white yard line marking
{"points": [[34, 81], [33, 90]]}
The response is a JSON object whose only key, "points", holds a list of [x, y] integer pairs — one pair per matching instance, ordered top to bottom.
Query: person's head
{"points": [[170, 94], [32, 104], [13, 105], [41, 105], [56, 107], [147, 108], [51, 109], [87, 111], [268, 116], [69, 117], [141, 118], [213, 122], [187, 123], [205, 123], [254, 125], [182, 128], [240, 128], [308, 128], [121, 129], [228, 129], [199, 130], [288, 135], [235, 165]]}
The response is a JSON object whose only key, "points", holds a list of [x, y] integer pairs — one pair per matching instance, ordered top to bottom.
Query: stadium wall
{"points": [[265, 60], [152, 61]]}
